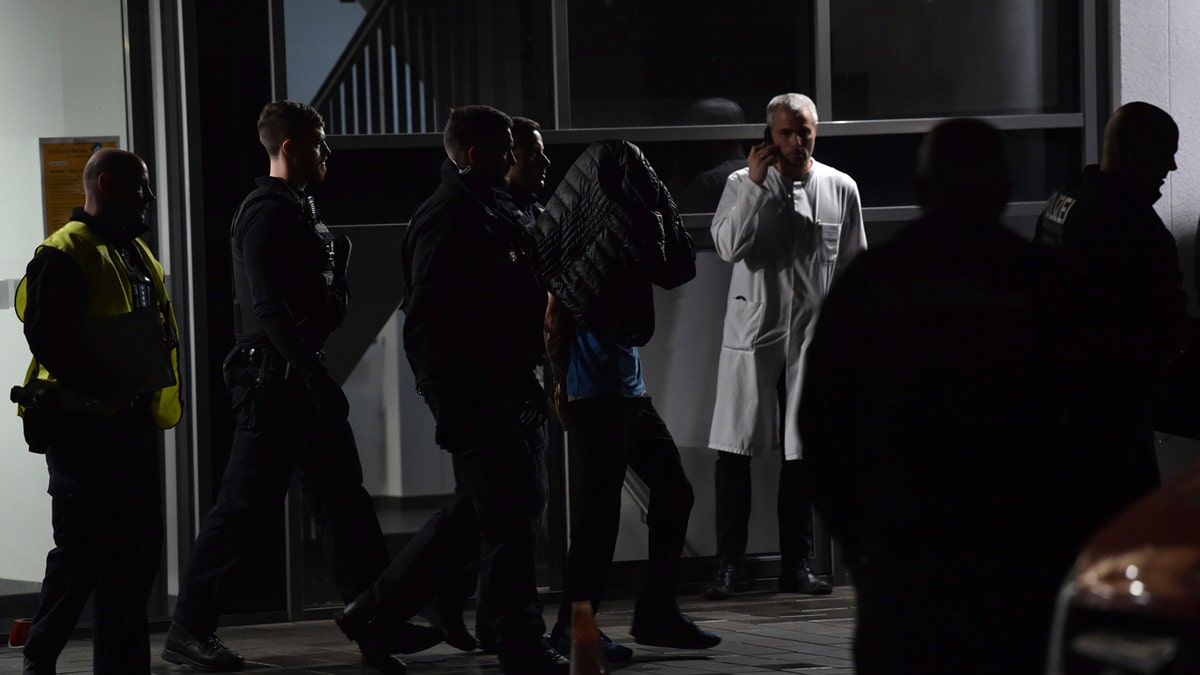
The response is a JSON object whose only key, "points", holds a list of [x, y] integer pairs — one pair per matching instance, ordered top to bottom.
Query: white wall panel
{"points": [[1155, 60], [62, 74]]}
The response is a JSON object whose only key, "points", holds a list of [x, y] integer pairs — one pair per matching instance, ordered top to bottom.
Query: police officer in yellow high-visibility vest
{"points": [[103, 381]]}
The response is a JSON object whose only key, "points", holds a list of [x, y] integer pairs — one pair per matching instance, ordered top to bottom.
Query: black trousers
{"points": [[280, 432], [611, 434], [496, 467], [793, 505], [106, 507], [443, 557]]}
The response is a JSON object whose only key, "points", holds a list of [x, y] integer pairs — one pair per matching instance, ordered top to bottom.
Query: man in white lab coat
{"points": [[788, 223]]}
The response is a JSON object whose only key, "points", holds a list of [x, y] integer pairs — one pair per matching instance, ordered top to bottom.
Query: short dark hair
{"points": [[281, 120], [473, 125], [523, 128]]}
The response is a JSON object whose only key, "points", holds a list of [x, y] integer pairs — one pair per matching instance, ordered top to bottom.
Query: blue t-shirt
{"points": [[600, 368]]}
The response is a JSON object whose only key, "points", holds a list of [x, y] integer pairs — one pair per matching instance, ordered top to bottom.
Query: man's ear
{"points": [[285, 148], [471, 156], [104, 182]]}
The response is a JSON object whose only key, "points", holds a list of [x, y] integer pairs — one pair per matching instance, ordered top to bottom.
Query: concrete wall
{"points": [[1155, 52], [62, 74], [393, 427]]}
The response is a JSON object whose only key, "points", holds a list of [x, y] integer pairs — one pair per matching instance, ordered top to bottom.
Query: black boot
{"points": [[727, 577], [802, 580], [812, 584], [448, 616], [355, 617], [381, 641], [201, 652]]}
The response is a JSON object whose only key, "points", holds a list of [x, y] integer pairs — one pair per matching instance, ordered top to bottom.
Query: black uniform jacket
{"points": [[1126, 260], [280, 263], [474, 303]]}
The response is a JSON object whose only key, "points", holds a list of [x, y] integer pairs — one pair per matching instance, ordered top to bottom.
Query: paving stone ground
{"points": [[761, 633]]}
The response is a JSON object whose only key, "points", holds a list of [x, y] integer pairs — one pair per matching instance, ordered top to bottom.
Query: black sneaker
{"points": [[725, 581], [666, 627], [614, 652], [206, 653], [545, 661], [388, 664], [32, 668]]}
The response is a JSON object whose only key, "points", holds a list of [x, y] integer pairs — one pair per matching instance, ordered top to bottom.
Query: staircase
{"points": [[411, 60]]}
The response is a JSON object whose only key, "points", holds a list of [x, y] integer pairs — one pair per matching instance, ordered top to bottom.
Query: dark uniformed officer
{"points": [[1125, 263], [472, 333], [103, 380], [291, 415], [439, 567]]}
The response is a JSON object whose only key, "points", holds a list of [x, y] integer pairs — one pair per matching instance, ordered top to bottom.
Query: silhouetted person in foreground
{"points": [[1126, 266], [931, 416]]}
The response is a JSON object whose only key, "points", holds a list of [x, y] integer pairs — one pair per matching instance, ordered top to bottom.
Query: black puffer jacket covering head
{"points": [[609, 232]]}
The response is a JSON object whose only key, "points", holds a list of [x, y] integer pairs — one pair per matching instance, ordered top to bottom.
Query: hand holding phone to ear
{"points": [[761, 157]]}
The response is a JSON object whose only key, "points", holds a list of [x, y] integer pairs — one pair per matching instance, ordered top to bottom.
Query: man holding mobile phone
{"points": [[788, 223]]}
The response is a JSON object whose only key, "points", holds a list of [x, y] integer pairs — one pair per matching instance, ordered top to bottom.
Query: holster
{"points": [[252, 370], [42, 417]]}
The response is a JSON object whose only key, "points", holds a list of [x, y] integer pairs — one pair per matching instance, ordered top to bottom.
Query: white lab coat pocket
{"points": [[831, 239], [827, 255], [743, 323]]}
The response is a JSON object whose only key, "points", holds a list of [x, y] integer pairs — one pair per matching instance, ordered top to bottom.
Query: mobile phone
{"points": [[767, 136]]}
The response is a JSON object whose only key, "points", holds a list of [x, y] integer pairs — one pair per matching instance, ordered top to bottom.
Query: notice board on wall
{"points": [[63, 160]]}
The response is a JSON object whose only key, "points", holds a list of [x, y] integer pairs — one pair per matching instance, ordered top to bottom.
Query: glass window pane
{"points": [[916, 58], [636, 63], [400, 66], [1041, 160], [883, 166], [378, 185]]}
